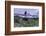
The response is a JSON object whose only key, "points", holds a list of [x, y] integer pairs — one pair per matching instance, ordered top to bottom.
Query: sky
{"points": [[21, 11]]}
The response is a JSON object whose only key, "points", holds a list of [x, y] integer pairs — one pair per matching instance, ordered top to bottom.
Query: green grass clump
{"points": [[19, 22]]}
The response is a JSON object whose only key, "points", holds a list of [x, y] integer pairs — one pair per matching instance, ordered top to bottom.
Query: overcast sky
{"points": [[21, 11]]}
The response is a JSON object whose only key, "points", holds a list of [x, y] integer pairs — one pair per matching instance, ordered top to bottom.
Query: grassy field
{"points": [[32, 22]]}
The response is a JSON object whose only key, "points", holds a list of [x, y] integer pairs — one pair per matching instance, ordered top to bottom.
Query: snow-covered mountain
{"points": [[31, 13]]}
